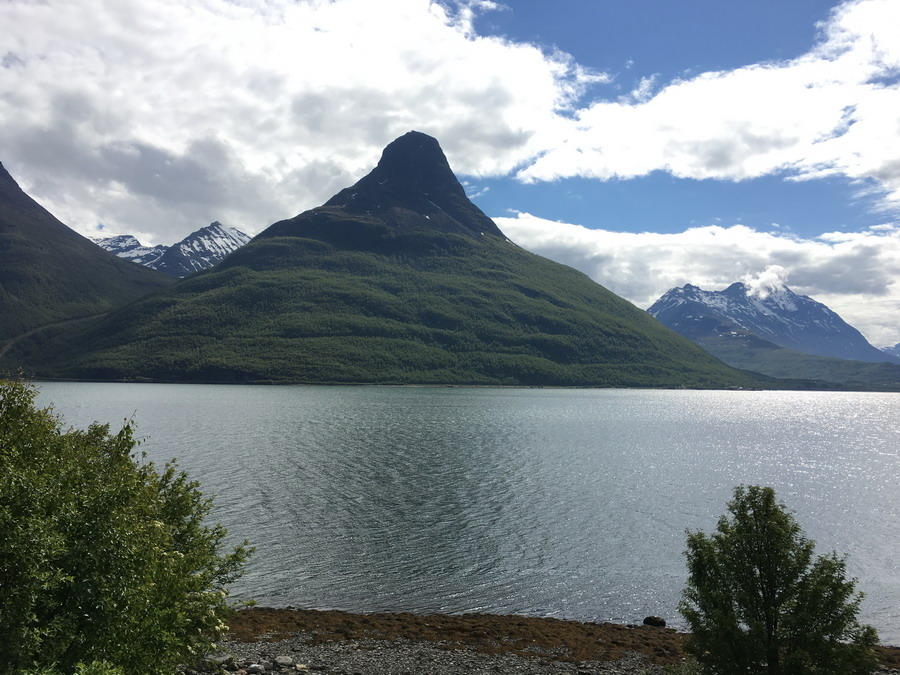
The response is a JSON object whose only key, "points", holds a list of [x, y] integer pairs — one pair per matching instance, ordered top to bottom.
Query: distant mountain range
{"points": [[198, 251], [49, 273], [397, 279], [776, 314], [778, 333]]}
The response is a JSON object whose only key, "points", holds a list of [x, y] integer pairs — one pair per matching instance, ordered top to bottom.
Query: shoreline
{"points": [[788, 385], [332, 641]]}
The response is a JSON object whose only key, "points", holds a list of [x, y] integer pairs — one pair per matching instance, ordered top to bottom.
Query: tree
{"points": [[103, 559], [756, 602]]}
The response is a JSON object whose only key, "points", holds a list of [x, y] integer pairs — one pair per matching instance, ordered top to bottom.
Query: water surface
{"points": [[566, 503]]}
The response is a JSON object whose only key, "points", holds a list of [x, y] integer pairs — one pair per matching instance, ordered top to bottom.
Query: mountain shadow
{"points": [[397, 279]]}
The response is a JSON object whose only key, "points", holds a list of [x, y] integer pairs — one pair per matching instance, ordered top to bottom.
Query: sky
{"points": [[649, 144]]}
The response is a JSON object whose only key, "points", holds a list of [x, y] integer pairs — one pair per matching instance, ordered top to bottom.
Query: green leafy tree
{"points": [[103, 559], [757, 602]]}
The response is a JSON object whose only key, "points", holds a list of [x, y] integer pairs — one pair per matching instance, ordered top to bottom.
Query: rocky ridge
{"points": [[128, 247], [198, 251], [775, 314]]}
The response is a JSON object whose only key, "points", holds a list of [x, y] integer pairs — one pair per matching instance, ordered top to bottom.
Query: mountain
{"points": [[128, 247], [198, 251], [50, 273], [398, 279], [776, 314], [730, 325], [892, 351]]}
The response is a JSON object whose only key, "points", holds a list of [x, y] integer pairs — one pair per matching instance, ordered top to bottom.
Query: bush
{"points": [[104, 560], [757, 603]]}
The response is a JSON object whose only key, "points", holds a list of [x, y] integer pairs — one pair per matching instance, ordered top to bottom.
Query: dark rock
{"points": [[655, 621], [218, 659]]}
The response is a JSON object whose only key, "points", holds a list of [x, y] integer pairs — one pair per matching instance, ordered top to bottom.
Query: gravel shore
{"points": [[264, 640], [335, 643], [408, 657]]}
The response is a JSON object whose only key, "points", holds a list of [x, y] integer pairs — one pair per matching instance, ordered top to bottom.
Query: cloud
{"points": [[108, 108], [833, 111], [160, 116], [855, 274], [761, 284]]}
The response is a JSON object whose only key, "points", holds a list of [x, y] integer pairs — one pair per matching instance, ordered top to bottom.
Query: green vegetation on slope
{"points": [[50, 273], [397, 279], [445, 309], [749, 352]]}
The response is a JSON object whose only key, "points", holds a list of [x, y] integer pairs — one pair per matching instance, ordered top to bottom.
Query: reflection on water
{"points": [[569, 503]]}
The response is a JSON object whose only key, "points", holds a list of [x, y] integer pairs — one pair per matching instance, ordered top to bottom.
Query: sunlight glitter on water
{"points": [[569, 503]]}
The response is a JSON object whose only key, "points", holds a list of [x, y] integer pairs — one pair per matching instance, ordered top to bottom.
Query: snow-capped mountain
{"points": [[126, 246], [201, 249], [198, 251], [775, 314]]}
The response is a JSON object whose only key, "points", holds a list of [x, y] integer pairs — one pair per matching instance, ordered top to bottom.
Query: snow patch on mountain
{"points": [[128, 247], [198, 251], [767, 308], [892, 351]]}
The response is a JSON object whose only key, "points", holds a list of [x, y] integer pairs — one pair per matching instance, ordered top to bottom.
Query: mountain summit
{"points": [[414, 174], [412, 191], [128, 247], [198, 251], [397, 279], [776, 314], [778, 333]]}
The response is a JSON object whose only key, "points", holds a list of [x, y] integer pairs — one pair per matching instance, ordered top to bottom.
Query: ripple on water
{"points": [[569, 503]]}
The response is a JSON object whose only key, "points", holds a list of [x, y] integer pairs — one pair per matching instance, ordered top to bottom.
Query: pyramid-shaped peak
{"points": [[413, 142], [413, 149], [416, 162], [414, 176]]}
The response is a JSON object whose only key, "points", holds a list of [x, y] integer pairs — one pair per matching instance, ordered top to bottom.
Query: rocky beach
{"points": [[340, 643]]}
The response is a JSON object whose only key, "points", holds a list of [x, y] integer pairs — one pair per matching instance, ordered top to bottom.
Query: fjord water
{"points": [[566, 503]]}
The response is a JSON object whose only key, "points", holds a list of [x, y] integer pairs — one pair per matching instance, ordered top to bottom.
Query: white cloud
{"points": [[833, 111], [159, 116], [855, 274], [772, 278]]}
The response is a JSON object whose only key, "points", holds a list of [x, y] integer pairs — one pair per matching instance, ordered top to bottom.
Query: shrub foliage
{"points": [[103, 557], [757, 602]]}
